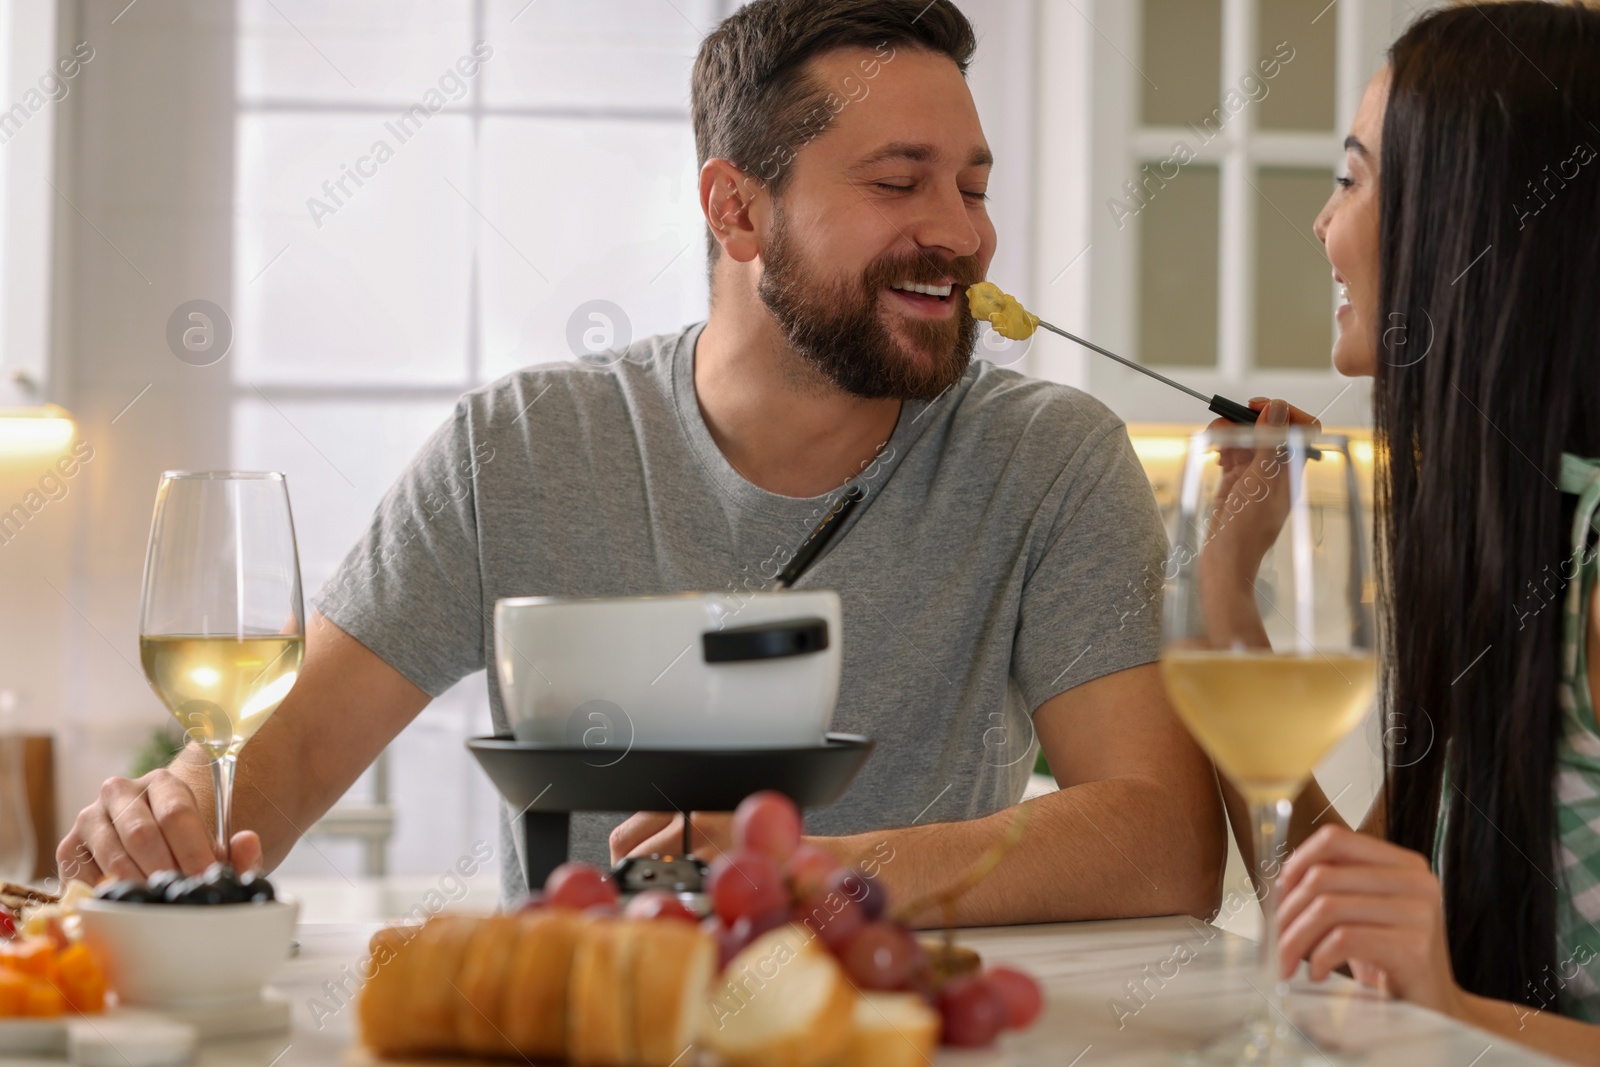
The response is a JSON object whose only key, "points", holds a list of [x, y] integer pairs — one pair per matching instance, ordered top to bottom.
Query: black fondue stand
{"points": [[546, 784]]}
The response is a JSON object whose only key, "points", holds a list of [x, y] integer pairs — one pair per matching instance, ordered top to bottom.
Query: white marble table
{"points": [[1086, 969]]}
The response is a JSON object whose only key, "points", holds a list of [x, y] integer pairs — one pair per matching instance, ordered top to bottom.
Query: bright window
{"points": [[1213, 130], [426, 192]]}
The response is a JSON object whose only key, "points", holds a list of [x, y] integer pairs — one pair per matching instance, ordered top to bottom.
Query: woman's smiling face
{"points": [[1348, 230]]}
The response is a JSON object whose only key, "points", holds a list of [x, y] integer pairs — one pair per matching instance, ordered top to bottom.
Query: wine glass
{"points": [[221, 623], [1269, 646]]}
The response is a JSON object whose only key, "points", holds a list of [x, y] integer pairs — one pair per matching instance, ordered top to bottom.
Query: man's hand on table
{"points": [[136, 827], [648, 832]]}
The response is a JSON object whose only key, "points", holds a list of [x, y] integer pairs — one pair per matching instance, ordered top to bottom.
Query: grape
{"points": [[769, 823], [809, 869], [745, 883], [577, 886], [864, 889], [659, 904], [603, 910], [832, 917], [8, 923], [750, 927], [729, 939], [880, 957], [1020, 994], [971, 1012]]}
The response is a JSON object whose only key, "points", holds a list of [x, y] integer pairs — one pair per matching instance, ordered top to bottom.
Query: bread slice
{"points": [[673, 963], [433, 989], [781, 1002], [381, 1007], [533, 1012], [600, 1013], [479, 1029], [892, 1030]]}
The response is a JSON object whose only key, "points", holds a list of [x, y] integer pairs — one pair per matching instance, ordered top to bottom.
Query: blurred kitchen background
{"points": [[202, 151]]}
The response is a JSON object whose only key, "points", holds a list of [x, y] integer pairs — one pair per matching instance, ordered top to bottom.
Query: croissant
{"points": [[541, 985]]}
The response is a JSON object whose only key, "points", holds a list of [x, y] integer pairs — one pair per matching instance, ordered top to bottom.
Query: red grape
{"points": [[769, 823], [809, 869], [746, 883], [577, 886], [861, 888], [659, 904], [833, 917], [8, 923], [751, 927], [729, 939], [880, 957], [1020, 994], [971, 1011]]}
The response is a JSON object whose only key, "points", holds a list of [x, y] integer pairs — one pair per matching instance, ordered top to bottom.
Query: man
{"points": [[985, 576]]}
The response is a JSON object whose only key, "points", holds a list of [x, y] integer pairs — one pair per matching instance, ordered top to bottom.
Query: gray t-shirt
{"points": [[1002, 554]]}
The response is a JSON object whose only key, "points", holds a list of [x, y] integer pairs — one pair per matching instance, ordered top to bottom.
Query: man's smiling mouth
{"points": [[940, 291], [928, 300]]}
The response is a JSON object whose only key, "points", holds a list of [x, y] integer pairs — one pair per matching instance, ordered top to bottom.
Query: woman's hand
{"points": [[1252, 498], [1248, 512], [1348, 898]]}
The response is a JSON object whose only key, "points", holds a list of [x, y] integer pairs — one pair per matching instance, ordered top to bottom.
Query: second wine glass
{"points": [[1269, 646]]}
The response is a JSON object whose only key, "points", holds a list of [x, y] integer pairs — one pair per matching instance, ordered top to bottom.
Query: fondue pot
{"points": [[690, 671], [686, 702]]}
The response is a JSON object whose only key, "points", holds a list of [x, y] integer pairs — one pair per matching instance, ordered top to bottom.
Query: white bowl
{"points": [[633, 672], [188, 955]]}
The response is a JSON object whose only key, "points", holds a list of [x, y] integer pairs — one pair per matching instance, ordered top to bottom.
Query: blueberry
{"points": [[218, 874], [159, 882], [256, 887], [123, 890], [179, 891], [194, 891]]}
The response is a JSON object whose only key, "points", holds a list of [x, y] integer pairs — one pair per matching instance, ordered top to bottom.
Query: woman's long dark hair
{"points": [[1490, 263]]}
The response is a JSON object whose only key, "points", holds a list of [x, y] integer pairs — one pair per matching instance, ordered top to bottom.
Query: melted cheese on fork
{"points": [[1002, 311]]}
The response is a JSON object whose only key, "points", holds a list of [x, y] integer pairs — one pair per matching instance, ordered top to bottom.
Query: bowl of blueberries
{"points": [[174, 941]]}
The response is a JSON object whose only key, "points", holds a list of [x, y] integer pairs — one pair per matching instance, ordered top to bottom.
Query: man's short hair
{"points": [[756, 104]]}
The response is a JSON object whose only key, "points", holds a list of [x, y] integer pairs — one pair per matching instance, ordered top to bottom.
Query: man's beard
{"points": [[838, 330]]}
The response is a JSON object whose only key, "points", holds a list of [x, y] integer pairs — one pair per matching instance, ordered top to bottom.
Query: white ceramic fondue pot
{"points": [[689, 670]]}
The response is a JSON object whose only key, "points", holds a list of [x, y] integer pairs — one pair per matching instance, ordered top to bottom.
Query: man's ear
{"points": [[727, 195]]}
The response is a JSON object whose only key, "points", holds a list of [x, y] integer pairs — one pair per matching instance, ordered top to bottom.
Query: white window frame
{"points": [[1092, 141]]}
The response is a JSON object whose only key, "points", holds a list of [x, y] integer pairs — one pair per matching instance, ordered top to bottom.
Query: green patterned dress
{"points": [[1577, 792], [1574, 983]]}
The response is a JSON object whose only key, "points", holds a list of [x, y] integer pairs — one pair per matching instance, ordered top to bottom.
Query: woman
{"points": [[1467, 238]]}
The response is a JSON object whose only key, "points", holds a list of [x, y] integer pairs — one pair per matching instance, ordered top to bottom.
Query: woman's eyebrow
{"points": [[1353, 144]]}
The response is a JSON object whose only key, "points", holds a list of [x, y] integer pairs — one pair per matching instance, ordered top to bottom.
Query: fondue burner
{"points": [[545, 785]]}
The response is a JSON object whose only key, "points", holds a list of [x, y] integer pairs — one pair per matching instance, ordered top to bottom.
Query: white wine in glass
{"points": [[222, 623], [1269, 648]]}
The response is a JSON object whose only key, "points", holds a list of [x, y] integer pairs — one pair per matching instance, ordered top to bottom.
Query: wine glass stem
{"points": [[222, 782], [1272, 825]]}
